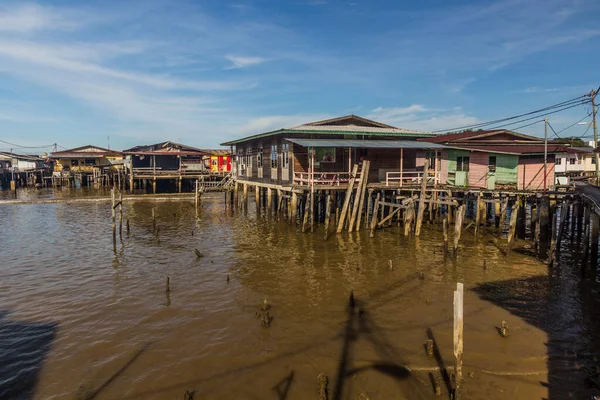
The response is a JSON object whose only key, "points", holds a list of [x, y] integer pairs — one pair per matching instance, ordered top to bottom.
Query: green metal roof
{"points": [[354, 130], [370, 144]]}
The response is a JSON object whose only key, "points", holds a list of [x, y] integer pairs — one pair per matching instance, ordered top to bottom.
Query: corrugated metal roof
{"points": [[357, 129], [336, 130], [370, 144]]}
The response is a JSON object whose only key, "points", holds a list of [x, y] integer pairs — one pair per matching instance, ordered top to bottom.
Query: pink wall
{"points": [[444, 168], [478, 169], [531, 172]]}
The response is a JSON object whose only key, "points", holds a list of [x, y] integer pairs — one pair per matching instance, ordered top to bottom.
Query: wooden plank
{"points": [[359, 194], [362, 196], [347, 199], [421, 210], [391, 215], [374, 220], [458, 338]]}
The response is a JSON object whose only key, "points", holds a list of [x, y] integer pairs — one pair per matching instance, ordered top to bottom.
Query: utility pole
{"points": [[593, 94], [545, 152]]}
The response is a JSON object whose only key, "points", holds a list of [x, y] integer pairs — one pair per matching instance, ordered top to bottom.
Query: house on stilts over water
{"points": [[362, 169]]}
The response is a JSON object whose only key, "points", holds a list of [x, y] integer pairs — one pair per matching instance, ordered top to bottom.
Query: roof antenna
{"points": [[108, 138]]}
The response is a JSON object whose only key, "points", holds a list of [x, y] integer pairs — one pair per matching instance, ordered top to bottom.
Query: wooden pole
{"points": [[196, 190], [360, 192], [257, 197], [269, 198], [422, 199], [294, 206], [113, 210], [368, 210], [306, 211], [477, 213], [120, 214], [327, 214], [460, 214], [502, 216], [409, 217], [374, 220], [340, 226], [513, 226], [445, 230], [458, 338]]}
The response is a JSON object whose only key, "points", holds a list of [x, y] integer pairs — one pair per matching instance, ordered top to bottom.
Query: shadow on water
{"points": [[573, 345], [23, 349]]}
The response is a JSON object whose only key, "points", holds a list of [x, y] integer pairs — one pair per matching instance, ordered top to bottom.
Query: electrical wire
{"points": [[572, 102], [536, 116], [526, 125], [26, 147]]}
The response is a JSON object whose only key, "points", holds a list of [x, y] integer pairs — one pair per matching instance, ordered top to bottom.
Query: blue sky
{"points": [[202, 72]]}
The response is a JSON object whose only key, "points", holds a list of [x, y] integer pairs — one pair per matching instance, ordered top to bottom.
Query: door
{"points": [[274, 162], [285, 162], [462, 171], [491, 176]]}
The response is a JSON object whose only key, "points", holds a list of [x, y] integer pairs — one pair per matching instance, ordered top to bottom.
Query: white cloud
{"points": [[33, 17], [244, 62], [419, 117], [273, 122]]}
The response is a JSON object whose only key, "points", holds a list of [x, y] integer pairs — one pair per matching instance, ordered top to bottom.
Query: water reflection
{"points": [[60, 263]]}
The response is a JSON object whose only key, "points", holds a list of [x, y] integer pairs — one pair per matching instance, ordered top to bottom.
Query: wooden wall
{"points": [[531, 172]]}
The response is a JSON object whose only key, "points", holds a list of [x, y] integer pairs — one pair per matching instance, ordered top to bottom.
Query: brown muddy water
{"points": [[79, 320]]}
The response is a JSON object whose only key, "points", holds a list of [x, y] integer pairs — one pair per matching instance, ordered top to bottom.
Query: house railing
{"points": [[410, 177], [321, 178]]}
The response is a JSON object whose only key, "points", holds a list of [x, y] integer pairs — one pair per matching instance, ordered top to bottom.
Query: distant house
{"points": [[284, 156], [498, 159], [86, 160], [217, 160], [164, 161], [576, 161], [21, 162]]}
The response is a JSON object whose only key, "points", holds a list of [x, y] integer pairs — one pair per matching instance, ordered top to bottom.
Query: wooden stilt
{"points": [[360, 192], [421, 209], [306, 212], [477, 213], [327, 214], [460, 214], [502, 216], [409, 217], [374, 220], [340, 226], [513, 227], [445, 230], [458, 338]]}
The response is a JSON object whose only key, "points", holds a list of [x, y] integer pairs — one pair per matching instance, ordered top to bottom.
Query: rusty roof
{"points": [[482, 134]]}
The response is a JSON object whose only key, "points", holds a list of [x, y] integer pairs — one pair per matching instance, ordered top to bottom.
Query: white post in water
{"points": [[458, 338]]}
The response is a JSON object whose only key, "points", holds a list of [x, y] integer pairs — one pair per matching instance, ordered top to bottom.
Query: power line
{"points": [[565, 104], [534, 117], [526, 125], [25, 147]]}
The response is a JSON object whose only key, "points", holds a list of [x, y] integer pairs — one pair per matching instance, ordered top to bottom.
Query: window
{"points": [[285, 148], [274, 156], [249, 157], [259, 157], [594, 160], [89, 161], [558, 161], [572, 161], [74, 163], [462, 164], [492, 164]]}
